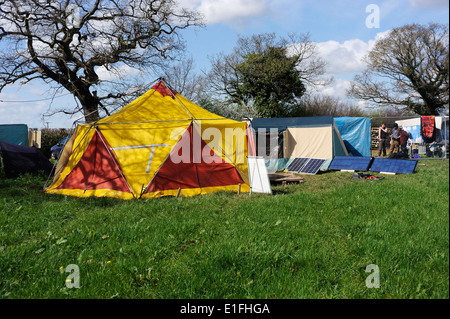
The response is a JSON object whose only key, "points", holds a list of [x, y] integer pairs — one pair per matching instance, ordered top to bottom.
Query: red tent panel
{"points": [[164, 90], [97, 169], [188, 174]]}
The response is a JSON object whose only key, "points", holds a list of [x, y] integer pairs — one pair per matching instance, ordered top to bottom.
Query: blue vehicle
{"points": [[57, 149]]}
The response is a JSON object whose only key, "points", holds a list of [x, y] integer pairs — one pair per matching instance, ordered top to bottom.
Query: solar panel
{"points": [[355, 163], [297, 164], [325, 165], [393, 165], [312, 166]]}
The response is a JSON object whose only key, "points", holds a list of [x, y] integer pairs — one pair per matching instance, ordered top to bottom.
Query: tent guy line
{"points": [[137, 146]]}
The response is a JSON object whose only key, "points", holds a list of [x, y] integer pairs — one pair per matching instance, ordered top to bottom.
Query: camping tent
{"points": [[355, 132], [14, 134], [311, 137], [161, 144], [18, 159]]}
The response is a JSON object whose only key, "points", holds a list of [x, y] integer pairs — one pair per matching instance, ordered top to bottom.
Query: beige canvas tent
{"points": [[310, 137]]}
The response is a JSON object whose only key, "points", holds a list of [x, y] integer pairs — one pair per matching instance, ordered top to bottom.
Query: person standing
{"points": [[382, 136], [403, 136], [394, 140]]}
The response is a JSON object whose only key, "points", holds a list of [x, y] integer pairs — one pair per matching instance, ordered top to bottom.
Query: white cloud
{"points": [[227, 11], [344, 57], [347, 57], [344, 60], [118, 72], [337, 89], [363, 104]]}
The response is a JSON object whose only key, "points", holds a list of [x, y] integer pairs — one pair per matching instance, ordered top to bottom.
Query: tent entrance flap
{"points": [[309, 142], [187, 168], [97, 169]]}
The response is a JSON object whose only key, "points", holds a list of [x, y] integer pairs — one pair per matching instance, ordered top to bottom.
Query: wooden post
{"points": [[239, 189], [179, 191]]}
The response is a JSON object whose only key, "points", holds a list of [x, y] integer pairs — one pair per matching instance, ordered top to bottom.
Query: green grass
{"points": [[311, 240]]}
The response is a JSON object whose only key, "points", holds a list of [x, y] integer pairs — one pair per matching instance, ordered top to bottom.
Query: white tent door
{"points": [[309, 142], [259, 179]]}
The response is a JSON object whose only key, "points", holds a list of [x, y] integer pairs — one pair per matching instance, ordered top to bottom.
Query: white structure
{"points": [[412, 126]]}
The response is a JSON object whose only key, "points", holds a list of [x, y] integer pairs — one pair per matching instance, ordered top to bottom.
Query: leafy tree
{"points": [[67, 43], [410, 68], [266, 74], [271, 80]]}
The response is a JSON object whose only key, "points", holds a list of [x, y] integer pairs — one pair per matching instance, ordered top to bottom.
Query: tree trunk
{"points": [[89, 102], [91, 113]]}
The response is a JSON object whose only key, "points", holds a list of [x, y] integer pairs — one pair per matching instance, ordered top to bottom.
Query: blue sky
{"points": [[338, 27]]}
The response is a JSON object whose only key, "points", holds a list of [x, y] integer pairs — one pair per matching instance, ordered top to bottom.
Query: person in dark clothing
{"points": [[382, 136], [403, 136]]}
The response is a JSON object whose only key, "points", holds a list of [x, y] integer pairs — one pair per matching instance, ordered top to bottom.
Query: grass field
{"points": [[311, 240]]}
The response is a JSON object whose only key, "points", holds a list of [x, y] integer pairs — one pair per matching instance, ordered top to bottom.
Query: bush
{"points": [[51, 136]]}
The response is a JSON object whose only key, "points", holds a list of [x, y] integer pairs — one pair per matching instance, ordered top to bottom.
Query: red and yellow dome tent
{"points": [[161, 144]]}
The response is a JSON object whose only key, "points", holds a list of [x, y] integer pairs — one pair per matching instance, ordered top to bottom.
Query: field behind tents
{"points": [[310, 240]]}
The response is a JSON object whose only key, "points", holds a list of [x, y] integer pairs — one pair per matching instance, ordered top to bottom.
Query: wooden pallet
{"points": [[285, 177]]}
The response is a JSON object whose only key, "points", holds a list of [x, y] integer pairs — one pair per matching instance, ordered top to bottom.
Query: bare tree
{"points": [[66, 43], [409, 68], [183, 79], [320, 105]]}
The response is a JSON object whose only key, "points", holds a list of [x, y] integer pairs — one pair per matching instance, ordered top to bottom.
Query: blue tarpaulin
{"points": [[355, 132], [14, 134]]}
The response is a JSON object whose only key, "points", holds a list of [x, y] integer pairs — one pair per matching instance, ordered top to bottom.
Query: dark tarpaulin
{"points": [[19, 159]]}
